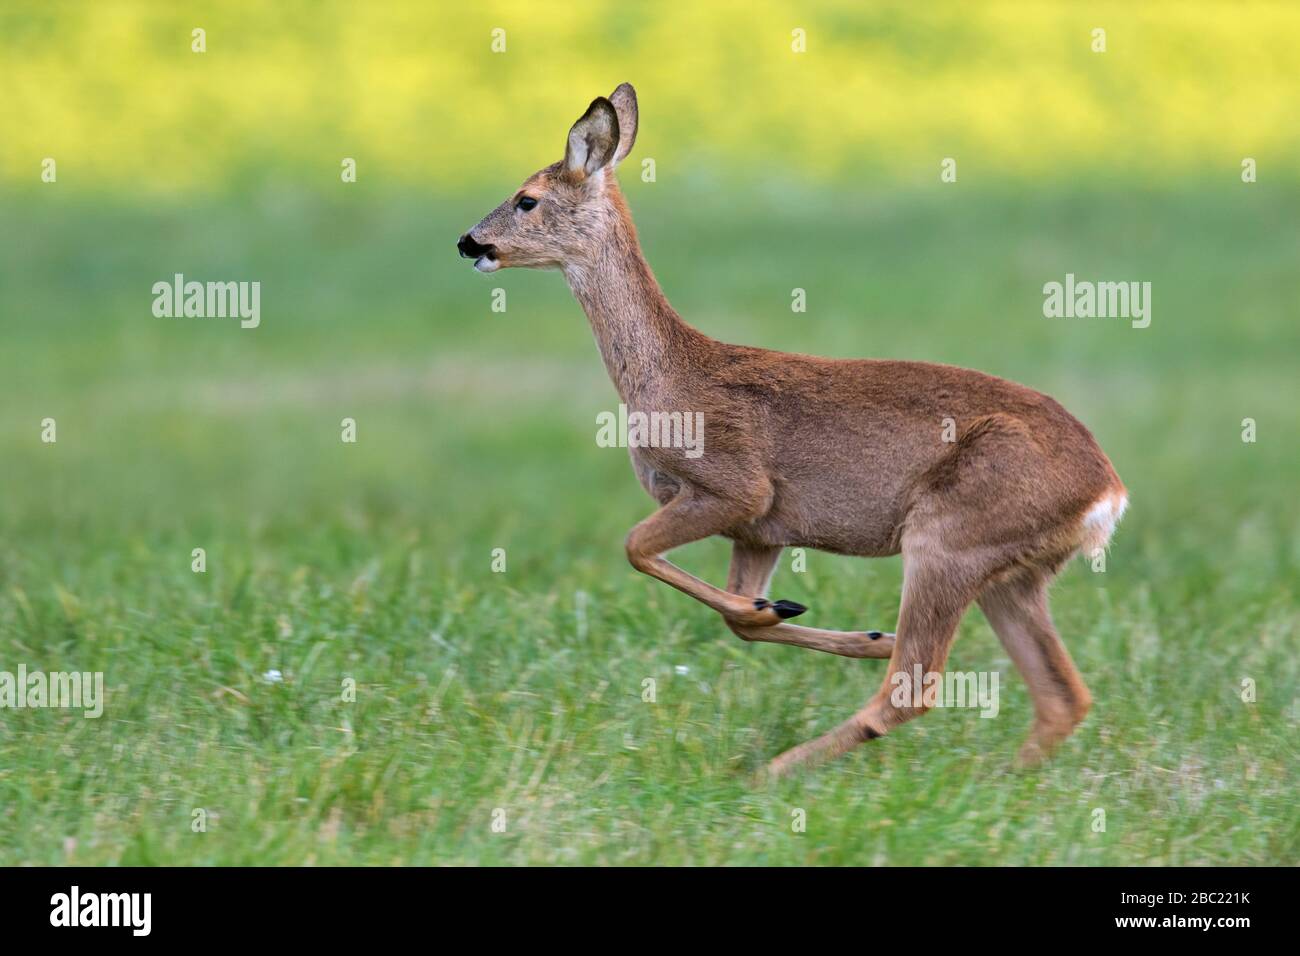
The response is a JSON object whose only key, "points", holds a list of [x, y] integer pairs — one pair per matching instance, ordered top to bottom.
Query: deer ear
{"points": [[624, 100], [593, 141]]}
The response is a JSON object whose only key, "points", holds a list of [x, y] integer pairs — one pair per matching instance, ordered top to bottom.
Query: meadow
{"points": [[354, 678], [522, 691]]}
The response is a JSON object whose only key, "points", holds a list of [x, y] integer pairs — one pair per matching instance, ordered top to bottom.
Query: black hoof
{"points": [[786, 609], [875, 635]]}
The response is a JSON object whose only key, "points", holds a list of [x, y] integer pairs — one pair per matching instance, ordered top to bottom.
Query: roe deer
{"points": [[845, 456]]}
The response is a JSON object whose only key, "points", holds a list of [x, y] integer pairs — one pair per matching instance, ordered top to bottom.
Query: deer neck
{"points": [[636, 330]]}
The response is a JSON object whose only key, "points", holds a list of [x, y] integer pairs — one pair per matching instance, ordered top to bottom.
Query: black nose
{"points": [[471, 249]]}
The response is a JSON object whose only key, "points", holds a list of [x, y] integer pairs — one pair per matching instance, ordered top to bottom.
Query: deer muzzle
{"points": [[471, 248]]}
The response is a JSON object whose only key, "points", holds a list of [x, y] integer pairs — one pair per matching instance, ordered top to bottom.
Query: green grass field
{"points": [[522, 691]]}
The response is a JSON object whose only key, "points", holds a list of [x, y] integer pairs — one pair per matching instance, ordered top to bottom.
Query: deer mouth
{"points": [[484, 256]]}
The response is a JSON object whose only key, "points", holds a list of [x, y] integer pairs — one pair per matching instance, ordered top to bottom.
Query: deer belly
{"points": [[840, 517]]}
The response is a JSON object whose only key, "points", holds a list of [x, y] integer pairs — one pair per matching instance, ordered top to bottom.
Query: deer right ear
{"points": [[624, 100], [593, 141]]}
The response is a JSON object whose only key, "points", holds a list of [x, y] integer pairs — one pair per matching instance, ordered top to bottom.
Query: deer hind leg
{"points": [[692, 517], [751, 572], [934, 599], [1017, 610]]}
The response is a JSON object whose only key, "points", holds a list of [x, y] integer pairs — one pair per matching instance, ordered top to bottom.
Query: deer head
{"points": [[562, 214]]}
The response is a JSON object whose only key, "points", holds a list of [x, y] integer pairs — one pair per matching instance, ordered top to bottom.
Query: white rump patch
{"points": [[1100, 520]]}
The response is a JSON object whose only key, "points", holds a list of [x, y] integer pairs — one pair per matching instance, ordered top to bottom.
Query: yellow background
{"points": [[414, 92]]}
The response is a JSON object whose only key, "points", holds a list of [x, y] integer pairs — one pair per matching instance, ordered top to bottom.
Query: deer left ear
{"points": [[593, 140]]}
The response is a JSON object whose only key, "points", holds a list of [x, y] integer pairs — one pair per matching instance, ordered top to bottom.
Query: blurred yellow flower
{"points": [[429, 94]]}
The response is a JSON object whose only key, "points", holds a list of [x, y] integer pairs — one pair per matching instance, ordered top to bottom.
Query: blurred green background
{"points": [[774, 170]]}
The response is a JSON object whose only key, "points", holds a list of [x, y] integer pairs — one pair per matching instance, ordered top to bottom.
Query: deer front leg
{"points": [[692, 517], [751, 571]]}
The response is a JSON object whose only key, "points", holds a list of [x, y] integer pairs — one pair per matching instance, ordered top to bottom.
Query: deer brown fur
{"points": [[984, 486]]}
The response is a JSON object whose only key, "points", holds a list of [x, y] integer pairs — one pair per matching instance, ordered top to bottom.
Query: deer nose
{"points": [[472, 249]]}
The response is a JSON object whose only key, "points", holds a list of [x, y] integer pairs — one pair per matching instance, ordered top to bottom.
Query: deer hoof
{"points": [[785, 609], [779, 611]]}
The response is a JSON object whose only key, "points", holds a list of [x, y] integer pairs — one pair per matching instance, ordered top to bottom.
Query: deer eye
{"points": [[526, 203]]}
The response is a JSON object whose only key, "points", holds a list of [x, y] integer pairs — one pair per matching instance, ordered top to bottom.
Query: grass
{"points": [[522, 691]]}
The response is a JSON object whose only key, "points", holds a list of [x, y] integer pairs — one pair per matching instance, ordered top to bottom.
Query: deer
{"points": [[985, 487]]}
